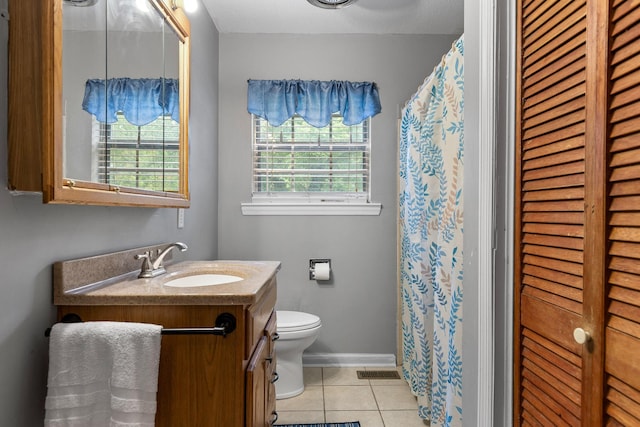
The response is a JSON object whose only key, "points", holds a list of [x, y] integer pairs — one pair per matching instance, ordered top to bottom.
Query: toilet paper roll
{"points": [[322, 271]]}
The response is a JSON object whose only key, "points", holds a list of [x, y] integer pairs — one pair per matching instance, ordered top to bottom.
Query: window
{"points": [[145, 157], [296, 163]]}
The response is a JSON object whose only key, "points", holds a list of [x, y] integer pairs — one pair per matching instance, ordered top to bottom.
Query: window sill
{"points": [[368, 209]]}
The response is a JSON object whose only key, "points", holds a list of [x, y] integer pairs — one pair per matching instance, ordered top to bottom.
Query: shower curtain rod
{"points": [[225, 324]]}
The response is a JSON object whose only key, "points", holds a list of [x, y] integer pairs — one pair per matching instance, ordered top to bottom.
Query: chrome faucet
{"points": [[155, 268]]}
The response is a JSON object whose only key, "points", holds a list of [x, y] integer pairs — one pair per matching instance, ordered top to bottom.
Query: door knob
{"points": [[581, 336]]}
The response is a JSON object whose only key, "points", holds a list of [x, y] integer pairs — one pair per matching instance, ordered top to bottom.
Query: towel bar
{"points": [[225, 324]]}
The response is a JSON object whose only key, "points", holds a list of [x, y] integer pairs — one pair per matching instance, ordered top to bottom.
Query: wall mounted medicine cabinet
{"points": [[98, 101]]}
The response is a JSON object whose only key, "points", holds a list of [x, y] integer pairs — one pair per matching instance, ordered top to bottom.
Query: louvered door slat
{"points": [[565, 11], [623, 16], [540, 18], [624, 36], [572, 38], [624, 51], [622, 67], [565, 69], [543, 100], [627, 112], [542, 113], [554, 125], [626, 127], [569, 132], [625, 143], [574, 145], [626, 158], [571, 159], [575, 180], [624, 189], [568, 206], [553, 218], [626, 219], [554, 229], [554, 241], [630, 250], [557, 253], [567, 281], [555, 288], [623, 305], [621, 323], [628, 394], [554, 400], [629, 406], [542, 407], [619, 417]]}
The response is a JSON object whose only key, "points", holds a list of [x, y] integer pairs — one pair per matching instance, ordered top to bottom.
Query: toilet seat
{"points": [[291, 321]]}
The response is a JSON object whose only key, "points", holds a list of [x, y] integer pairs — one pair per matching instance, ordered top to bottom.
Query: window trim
{"points": [[308, 208]]}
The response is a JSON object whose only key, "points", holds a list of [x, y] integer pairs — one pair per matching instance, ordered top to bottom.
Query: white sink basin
{"points": [[202, 280]]}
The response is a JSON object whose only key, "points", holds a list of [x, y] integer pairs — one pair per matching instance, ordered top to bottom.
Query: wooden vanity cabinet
{"points": [[208, 380]]}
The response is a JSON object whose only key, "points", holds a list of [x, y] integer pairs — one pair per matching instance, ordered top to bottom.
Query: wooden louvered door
{"points": [[577, 261], [622, 334]]}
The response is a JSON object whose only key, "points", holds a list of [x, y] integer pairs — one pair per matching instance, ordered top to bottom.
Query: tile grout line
{"points": [[324, 399]]}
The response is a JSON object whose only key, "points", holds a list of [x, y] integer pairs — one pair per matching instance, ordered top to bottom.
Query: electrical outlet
{"points": [[180, 217]]}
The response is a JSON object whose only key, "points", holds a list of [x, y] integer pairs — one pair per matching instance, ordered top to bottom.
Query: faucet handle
{"points": [[145, 255], [146, 263]]}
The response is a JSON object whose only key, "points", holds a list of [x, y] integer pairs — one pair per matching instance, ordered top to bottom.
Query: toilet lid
{"points": [[295, 321]]}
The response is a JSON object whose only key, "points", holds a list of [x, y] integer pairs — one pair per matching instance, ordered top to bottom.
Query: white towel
{"points": [[103, 374]]}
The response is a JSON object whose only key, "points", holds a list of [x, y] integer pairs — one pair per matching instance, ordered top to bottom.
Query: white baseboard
{"points": [[347, 359]]}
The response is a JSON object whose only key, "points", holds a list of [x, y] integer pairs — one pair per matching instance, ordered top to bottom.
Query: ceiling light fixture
{"points": [[81, 3], [331, 4], [189, 6]]}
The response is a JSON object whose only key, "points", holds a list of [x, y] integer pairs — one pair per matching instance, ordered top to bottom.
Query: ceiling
{"points": [[362, 17]]}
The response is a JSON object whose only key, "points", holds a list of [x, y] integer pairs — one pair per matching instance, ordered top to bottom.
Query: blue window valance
{"points": [[140, 100], [278, 100]]}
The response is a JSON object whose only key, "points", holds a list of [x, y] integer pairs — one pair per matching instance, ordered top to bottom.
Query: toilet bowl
{"points": [[296, 332]]}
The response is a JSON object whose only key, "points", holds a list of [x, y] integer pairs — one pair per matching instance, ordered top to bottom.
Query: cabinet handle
{"points": [[275, 337], [275, 378], [274, 419]]}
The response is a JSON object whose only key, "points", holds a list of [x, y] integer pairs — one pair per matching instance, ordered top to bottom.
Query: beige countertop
{"points": [[128, 289]]}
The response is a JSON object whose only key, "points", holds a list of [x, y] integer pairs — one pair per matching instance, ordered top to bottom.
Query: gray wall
{"points": [[33, 235], [358, 309]]}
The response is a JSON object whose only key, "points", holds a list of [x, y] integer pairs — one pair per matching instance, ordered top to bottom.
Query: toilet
{"points": [[296, 331]]}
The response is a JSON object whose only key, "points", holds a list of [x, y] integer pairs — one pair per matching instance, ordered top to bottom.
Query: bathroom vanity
{"points": [[204, 379]]}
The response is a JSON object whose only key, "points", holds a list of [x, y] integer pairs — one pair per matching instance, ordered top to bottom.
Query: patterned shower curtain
{"points": [[431, 232]]}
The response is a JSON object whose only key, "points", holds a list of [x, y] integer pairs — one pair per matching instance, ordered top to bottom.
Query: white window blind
{"points": [[145, 157], [296, 161]]}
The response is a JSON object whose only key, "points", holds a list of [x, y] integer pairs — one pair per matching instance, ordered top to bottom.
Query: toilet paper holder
{"points": [[312, 266]]}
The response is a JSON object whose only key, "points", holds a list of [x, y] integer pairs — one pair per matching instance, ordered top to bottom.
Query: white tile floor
{"points": [[337, 395]]}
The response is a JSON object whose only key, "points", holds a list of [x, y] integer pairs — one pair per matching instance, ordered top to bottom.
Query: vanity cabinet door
{"points": [[271, 374], [200, 376], [260, 379], [256, 386]]}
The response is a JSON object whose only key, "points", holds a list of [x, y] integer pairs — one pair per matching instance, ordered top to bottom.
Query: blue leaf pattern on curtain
{"points": [[431, 237]]}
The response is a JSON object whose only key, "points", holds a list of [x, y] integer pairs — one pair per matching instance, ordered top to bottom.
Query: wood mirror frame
{"points": [[35, 127]]}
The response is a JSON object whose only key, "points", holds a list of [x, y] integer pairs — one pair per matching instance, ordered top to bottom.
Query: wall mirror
{"points": [[115, 101]]}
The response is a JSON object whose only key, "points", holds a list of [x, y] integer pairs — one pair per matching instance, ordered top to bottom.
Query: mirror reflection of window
{"points": [[143, 157]]}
